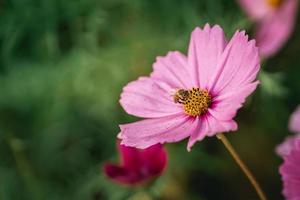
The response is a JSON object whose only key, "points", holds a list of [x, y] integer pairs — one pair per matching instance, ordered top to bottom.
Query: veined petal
{"points": [[274, 30], [205, 48], [237, 67], [173, 70], [236, 96], [145, 98], [225, 106], [209, 126], [218, 126], [145, 133], [198, 133]]}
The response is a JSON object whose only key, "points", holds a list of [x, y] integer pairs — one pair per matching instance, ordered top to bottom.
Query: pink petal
{"points": [[256, 9], [274, 30], [205, 48], [237, 67], [173, 70], [233, 78], [230, 84], [236, 96], [146, 98], [225, 106], [294, 124], [210, 126], [217, 126], [145, 133], [198, 133], [286, 146], [130, 156], [155, 159], [138, 165], [290, 173], [122, 175]]}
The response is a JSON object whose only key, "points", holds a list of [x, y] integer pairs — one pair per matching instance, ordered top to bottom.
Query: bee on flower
{"points": [[207, 88]]}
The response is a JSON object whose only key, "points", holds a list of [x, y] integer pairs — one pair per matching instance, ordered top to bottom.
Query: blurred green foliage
{"points": [[62, 67]]}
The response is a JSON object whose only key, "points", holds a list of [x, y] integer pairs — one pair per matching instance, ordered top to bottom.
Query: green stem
{"points": [[242, 165]]}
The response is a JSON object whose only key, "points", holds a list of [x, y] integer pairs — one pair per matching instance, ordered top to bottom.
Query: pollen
{"points": [[275, 3], [195, 101]]}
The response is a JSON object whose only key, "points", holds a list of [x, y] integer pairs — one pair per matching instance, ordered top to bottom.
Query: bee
{"points": [[181, 96]]}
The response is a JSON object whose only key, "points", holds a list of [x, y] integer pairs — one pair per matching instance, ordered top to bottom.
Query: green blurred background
{"points": [[62, 67]]}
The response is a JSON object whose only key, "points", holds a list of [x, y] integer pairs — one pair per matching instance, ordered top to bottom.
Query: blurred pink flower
{"points": [[275, 21], [192, 96], [294, 124], [286, 146], [137, 166], [290, 173]]}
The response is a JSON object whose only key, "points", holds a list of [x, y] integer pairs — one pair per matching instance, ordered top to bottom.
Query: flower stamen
{"points": [[275, 3], [195, 101]]}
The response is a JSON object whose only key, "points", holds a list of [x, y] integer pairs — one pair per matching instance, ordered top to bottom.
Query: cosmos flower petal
{"points": [[256, 9], [274, 30], [205, 48], [237, 67], [173, 70], [238, 96], [145, 98], [225, 106], [294, 124], [209, 126], [218, 126], [158, 130], [198, 133], [286, 146], [130, 157], [155, 157], [137, 166], [290, 173], [119, 174], [122, 175]]}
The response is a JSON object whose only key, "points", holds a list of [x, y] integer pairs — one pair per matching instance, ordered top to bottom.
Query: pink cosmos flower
{"points": [[275, 21], [192, 96], [294, 125], [137, 166], [290, 173]]}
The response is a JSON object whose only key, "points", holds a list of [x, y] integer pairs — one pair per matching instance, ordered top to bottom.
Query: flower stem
{"points": [[242, 165]]}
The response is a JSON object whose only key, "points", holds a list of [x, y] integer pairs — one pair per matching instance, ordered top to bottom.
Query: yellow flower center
{"points": [[275, 3], [195, 101]]}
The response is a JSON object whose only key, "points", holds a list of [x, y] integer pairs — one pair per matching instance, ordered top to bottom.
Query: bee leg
{"points": [[180, 101]]}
